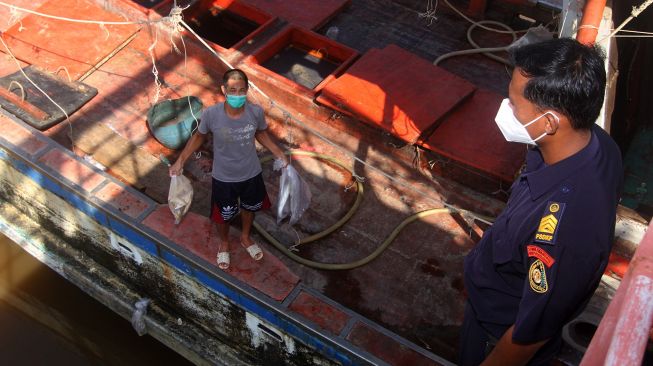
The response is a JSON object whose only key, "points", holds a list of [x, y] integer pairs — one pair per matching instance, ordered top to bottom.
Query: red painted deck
{"points": [[310, 14], [7, 19], [77, 46], [125, 86], [396, 91], [470, 135], [21, 137], [72, 169], [122, 200], [269, 275], [415, 288], [324, 315], [386, 348]]}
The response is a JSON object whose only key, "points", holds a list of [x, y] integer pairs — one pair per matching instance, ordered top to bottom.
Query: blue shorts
{"points": [[227, 198]]}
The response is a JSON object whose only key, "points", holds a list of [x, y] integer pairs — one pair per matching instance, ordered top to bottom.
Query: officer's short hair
{"points": [[236, 74], [564, 75]]}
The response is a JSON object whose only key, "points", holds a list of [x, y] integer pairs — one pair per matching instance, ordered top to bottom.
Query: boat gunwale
{"points": [[258, 303]]}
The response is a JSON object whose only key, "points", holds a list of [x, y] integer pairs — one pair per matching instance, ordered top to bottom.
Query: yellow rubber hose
{"points": [[350, 213], [344, 219]]}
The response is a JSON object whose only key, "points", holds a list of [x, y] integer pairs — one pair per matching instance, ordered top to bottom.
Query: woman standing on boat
{"points": [[237, 175]]}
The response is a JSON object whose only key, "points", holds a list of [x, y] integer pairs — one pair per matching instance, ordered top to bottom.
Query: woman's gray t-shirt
{"points": [[234, 151]]}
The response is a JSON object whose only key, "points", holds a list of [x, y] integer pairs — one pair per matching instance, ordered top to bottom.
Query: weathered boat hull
{"points": [[195, 309]]}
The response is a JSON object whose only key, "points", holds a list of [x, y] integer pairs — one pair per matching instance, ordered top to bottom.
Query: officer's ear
{"points": [[552, 123]]}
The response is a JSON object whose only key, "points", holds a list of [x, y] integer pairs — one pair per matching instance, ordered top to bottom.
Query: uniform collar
{"points": [[541, 177]]}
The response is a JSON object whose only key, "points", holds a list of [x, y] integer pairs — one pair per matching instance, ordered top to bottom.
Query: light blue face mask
{"points": [[236, 101]]}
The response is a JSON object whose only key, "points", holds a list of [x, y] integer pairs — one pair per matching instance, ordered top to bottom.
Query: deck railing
{"points": [[624, 331]]}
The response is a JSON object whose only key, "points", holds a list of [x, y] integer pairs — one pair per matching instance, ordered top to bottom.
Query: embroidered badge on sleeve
{"points": [[549, 223], [541, 254], [537, 277]]}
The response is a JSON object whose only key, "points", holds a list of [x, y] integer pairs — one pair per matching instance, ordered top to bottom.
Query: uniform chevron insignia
{"points": [[548, 224], [547, 231]]}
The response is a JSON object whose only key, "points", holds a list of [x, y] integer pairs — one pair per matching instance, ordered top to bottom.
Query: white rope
{"points": [[429, 13], [633, 14], [16, 16], [175, 19], [84, 21], [176, 23], [588, 26], [188, 28], [106, 31], [634, 31], [633, 36], [64, 68], [155, 71], [20, 86], [190, 106], [72, 140], [332, 143], [350, 185]]}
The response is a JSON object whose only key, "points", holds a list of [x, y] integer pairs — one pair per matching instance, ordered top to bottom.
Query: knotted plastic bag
{"points": [[180, 196], [294, 196], [138, 317]]}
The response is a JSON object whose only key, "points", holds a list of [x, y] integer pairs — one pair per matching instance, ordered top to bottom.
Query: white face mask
{"points": [[512, 129]]}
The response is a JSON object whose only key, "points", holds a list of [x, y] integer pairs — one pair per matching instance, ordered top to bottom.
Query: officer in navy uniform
{"points": [[538, 265]]}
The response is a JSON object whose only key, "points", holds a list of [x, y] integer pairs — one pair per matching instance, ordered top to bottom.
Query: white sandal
{"points": [[254, 251], [223, 260]]}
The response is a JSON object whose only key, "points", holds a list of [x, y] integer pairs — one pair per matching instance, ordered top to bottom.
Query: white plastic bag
{"points": [[294, 196], [180, 197], [138, 317]]}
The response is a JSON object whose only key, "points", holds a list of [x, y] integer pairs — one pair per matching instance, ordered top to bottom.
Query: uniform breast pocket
{"points": [[502, 249]]}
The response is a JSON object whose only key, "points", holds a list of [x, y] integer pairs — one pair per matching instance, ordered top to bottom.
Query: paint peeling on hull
{"points": [[173, 291], [188, 340]]}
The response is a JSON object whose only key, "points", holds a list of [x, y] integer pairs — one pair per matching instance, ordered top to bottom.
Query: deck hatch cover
{"points": [[309, 14], [398, 91], [36, 109]]}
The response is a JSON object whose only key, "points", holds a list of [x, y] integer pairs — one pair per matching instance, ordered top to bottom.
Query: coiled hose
{"points": [[486, 51], [359, 196]]}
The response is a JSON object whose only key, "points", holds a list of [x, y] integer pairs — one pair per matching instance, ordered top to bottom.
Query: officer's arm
{"points": [[508, 353]]}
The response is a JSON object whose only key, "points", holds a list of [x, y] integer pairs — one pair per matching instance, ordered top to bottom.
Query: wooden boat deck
{"points": [[414, 288]]}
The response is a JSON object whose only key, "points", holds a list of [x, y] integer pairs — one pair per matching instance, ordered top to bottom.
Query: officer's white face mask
{"points": [[512, 129]]}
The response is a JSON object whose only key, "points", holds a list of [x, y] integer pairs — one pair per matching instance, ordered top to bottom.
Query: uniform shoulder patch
{"points": [[549, 223], [541, 254], [537, 277]]}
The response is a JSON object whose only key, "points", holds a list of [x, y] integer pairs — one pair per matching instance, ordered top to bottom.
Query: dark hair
{"points": [[236, 74], [564, 75]]}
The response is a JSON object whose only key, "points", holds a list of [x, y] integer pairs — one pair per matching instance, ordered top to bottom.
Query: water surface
{"points": [[46, 320]]}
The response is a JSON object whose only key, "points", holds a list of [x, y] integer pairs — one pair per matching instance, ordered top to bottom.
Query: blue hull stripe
{"points": [[159, 250]]}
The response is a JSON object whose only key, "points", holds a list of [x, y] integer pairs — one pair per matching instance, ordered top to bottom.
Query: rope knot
{"points": [[175, 18]]}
